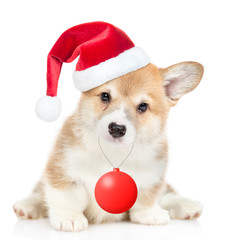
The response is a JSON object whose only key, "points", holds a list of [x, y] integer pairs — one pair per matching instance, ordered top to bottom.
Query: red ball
{"points": [[116, 192]]}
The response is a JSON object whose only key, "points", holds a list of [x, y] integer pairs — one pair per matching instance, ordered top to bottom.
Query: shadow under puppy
{"points": [[125, 100]]}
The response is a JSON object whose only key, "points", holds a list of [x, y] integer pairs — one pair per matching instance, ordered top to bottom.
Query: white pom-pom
{"points": [[48, 108]]}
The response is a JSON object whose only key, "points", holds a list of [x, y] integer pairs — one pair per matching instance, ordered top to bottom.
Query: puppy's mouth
{"points": [[111, 139], [117, 140]]}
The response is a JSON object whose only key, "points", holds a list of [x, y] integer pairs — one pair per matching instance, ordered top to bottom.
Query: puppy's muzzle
{"points": [[116, 131]]}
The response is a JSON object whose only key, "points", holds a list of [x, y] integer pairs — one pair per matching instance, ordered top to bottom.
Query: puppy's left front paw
{"points": [[186, 209], [152, 216]]}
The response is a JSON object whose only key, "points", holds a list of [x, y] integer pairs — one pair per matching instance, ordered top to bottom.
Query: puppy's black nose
{"points": [[116, 130]]}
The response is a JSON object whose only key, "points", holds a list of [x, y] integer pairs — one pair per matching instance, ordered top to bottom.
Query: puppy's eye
{"points": [[105, 97], [142, 107]]}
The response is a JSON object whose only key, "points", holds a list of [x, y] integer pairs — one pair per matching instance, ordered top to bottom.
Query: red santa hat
{"points": [[105, 52]]}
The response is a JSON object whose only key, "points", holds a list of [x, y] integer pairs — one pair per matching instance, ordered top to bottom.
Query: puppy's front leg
{"points": [[66, 207], [147, 211]]}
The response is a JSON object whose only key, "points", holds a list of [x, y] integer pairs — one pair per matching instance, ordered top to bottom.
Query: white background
{"points": [[170, 32]]}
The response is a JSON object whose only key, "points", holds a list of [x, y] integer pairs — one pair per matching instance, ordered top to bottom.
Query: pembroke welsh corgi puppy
{"points": [[131, 109]]}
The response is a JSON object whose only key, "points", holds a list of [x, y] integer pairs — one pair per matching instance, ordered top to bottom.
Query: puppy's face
{"points": [[136, 105]]}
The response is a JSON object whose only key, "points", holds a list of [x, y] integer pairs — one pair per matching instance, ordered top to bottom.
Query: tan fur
{"points": [[147, 80], [143, 81], [148, 83], [54, 171], [39, 189], [170, 189], [147, 197]]}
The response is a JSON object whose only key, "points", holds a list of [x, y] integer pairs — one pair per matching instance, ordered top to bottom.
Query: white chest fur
{"points": [[88, 165]]}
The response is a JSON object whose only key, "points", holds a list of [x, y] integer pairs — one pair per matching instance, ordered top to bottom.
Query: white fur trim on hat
{"points": [[127, 61], [48, 108]]}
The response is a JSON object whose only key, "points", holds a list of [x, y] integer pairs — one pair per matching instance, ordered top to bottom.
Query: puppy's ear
{"points": [[180, 79]]}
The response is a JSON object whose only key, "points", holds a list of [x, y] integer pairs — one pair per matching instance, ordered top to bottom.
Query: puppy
{"points": [[138, 103]]}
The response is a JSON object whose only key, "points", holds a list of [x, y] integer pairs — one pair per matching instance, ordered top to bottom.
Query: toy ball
{"points": [[116, 192]]}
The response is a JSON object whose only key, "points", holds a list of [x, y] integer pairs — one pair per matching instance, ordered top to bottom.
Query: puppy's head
{"points": [[136, 105]]}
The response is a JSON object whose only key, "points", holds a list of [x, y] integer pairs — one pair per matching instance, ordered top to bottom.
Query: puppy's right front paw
{"points": [[75, 224]]}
